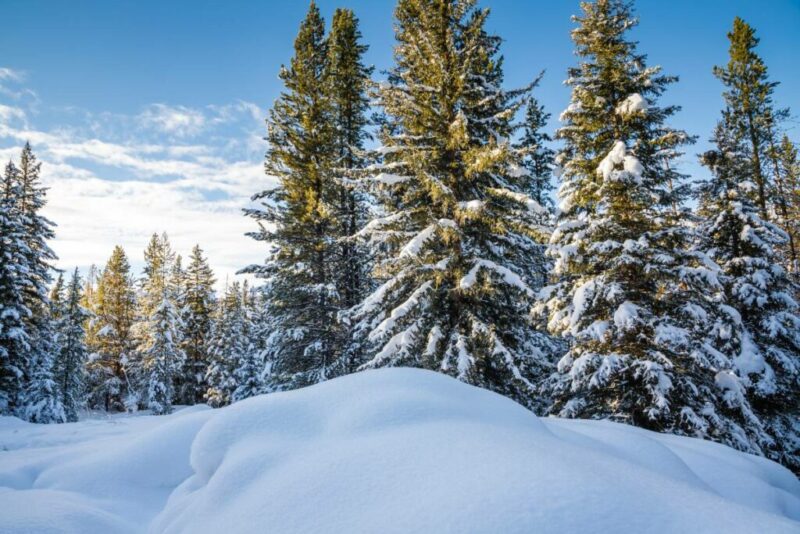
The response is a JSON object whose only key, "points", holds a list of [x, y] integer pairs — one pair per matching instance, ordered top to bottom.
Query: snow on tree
{"points": [[455, 240], [632, 296], [114, 309], [197, 312], [764, 332], [14, 337], [28, 341], [227, 347], [160, 354], [249, 367], [69, 372]]}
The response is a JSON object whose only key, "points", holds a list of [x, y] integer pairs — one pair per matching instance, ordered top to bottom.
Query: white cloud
{"points": [[179, 121], [116, 179]]}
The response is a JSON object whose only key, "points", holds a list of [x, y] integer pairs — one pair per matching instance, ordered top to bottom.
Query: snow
{"points": [[632, 104], [614, 157], [391, 179], [414, 246], [509, 277], [627, 316], [390, 450]]}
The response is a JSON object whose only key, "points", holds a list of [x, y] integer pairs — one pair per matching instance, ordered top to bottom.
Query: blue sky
{"points": [[148, 114]]}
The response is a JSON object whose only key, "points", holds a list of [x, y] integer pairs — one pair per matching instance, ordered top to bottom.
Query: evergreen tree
{"points": [[348, 80], [748, 97], [539, 159], [788, 199], [456, 238], [303, 294], [632, 296], [57, 297], [90, 304], [198, 309], [115, 310], [159, 330], [764, 336], [14, 338], [227, 348], [73, 353], [249, 369], [40, 402]]}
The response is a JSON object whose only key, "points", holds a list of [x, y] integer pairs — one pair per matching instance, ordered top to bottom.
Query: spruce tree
{"points": [[348, 81], [748, 97], [539, 158], [788, 200], [298, 216], [456, 240], [632, 296], [57, 297], [198, 310], [115, 312], [159, 332], [764, 334], [14, 337], [226, 348], [69, 365], [248, 372], [40, 401]]}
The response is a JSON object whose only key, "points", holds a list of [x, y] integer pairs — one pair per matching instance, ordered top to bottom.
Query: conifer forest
{"points": [[427, 216]]}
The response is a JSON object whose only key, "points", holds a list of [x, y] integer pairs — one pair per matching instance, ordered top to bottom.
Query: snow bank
{"points": [[393, 450]]}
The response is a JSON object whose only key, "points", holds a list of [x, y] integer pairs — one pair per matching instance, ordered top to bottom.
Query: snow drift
{"points": [[394, 450]]}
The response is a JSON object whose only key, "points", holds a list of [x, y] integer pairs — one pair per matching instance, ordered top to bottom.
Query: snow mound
{"points": [[392, 450]]}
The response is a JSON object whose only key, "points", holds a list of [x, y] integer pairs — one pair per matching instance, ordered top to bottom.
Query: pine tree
{"points": [[348, 80], [748, 96], [539, 160], [788, 200], [456, 240], [303, 294], [632, 296], [57, 297], [198, 309], [115, 311], [764, 336], [14, 338], [159, 343], [227, 347], [249, 368], [69, 370], [40, 402]]}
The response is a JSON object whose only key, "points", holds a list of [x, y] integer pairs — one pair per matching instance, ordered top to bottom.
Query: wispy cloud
{"points": [[179, 121], [116, 179]]}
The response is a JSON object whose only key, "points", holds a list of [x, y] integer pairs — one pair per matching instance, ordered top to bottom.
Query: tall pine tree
{"points": [[348, 81], [748, 97], [298, 217], [456, 238], [632, 297], [197, 314], [159, 332], [14, 338], [763, 340], [114, 347], [73, 353]]}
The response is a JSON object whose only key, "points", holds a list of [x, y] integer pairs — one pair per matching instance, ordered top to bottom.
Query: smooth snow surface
{"points": [[392, 450]]}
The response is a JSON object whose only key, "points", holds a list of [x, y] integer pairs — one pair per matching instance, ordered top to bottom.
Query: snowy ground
{"points": [[394, 450]]}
